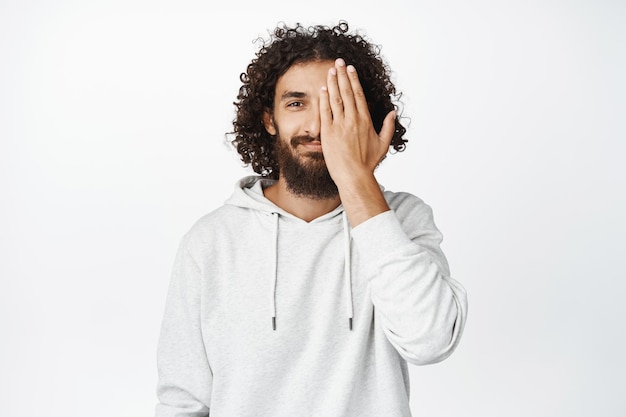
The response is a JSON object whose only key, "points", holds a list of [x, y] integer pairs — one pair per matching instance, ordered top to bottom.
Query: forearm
{"points": [[420, 308]]}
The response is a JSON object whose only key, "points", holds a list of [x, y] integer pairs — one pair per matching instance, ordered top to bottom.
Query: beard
{"points": [[305, 174]]}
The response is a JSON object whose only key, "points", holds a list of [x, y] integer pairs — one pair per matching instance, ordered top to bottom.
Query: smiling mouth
{"points": [[305, 140], [313, 146]]}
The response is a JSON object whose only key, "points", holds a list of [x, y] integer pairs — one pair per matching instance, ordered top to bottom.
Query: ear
{"points": [[268, 122]]}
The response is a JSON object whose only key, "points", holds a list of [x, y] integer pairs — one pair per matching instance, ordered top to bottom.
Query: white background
{"points": [[112, 122]]}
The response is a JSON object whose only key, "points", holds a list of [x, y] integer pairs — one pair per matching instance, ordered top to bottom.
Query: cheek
{"points": [[289, 124]]}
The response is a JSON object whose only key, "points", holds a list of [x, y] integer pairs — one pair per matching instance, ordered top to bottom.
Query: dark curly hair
{"points": [[291, 45]]}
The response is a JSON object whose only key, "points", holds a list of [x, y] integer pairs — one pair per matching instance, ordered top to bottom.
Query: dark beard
{"points": [[306, 174]]}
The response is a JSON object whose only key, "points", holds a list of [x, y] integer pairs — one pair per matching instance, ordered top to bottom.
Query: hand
{"points": [[352, 148]]}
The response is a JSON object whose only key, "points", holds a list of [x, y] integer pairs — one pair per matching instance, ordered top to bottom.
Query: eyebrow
{"points": [[292, 94]]}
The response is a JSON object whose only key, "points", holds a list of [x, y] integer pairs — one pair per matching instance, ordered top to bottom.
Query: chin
{"points": [[315, 155]]}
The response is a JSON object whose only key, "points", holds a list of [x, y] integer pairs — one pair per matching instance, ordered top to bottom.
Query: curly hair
{"points": [[292, 45]]}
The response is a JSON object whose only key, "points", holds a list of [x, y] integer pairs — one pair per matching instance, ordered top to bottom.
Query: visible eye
{"points": [[295, 104]]}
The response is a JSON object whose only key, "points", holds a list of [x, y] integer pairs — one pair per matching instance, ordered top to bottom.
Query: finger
{"points": [[345, 88], [357, 91], [336, 103], [326, 115], [388, 129]]}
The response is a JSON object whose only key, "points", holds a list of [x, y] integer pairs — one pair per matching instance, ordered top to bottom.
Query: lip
{"points": [[313, 145]]}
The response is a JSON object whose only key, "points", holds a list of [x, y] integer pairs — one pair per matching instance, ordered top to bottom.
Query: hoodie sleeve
{"points": [[421, 309], [185, 378]]}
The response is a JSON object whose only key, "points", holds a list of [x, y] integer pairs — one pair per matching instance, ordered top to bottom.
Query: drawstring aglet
{"points": [[350, 322], [274, 323]]}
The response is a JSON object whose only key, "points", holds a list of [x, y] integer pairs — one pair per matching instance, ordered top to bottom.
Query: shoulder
{"points": [[407, 205], [413, 213], [221, 216], [225, 221]]}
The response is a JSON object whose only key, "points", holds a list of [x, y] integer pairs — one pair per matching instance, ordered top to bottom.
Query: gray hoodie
{"points": [[268, 315]]}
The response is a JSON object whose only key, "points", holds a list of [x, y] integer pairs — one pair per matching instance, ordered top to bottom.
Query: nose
{"points": [[313, 124]]}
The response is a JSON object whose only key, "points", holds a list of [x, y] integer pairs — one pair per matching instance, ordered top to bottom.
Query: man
{"points": [[308, 292]]}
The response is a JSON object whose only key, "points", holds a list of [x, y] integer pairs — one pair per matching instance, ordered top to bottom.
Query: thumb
{"points": [[388, 129]]}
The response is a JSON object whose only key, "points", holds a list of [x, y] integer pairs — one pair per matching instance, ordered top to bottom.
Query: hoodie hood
{"points": [[248, 193]]}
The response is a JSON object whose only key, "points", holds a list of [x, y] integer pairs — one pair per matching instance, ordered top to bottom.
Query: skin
{"points": [[324, 99]]}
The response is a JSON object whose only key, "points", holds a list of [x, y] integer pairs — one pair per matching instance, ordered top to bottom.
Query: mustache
{"points": [[297, 140]]}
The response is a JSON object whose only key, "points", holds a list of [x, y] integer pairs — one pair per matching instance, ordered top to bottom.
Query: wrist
{"points": [[362, 198]]}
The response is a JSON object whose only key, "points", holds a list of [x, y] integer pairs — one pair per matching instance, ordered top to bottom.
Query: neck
{"points": [[303, 207]]}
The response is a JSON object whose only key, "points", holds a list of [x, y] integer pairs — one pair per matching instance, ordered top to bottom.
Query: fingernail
{"points": [[340, 62], [351, 68], [333, 71]]}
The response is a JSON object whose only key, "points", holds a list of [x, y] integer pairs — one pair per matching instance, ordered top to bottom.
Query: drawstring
{"points": [[274, 269], [347, 273]]}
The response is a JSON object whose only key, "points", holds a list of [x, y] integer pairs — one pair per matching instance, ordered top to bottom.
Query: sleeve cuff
{"points": [[379, 233]]}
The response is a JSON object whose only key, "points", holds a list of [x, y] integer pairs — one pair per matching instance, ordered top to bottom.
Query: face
{"points": [[295, 122]]}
